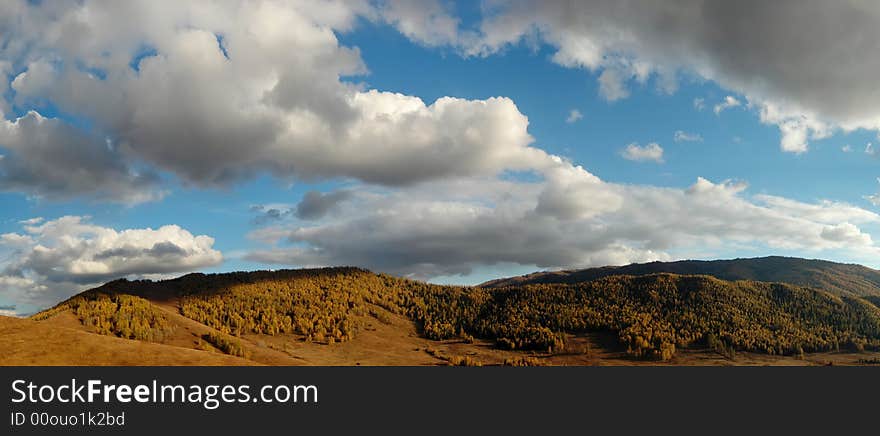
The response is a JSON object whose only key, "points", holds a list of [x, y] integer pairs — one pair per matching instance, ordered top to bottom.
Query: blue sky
{"points": [[735, 145], [554, 194]]}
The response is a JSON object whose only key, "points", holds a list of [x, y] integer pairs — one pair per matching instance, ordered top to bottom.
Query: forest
{"points": [[116, 314], [651, 315]]}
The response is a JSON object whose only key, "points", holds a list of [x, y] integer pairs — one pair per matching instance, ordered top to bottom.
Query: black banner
{"points": [[437, 400]]}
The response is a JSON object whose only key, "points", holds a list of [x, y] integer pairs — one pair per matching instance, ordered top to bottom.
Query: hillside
{"points": [[837, 278], [350, 316], [27, 342]]}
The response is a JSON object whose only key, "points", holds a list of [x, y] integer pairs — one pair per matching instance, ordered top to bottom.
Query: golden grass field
{"points": [[25, 342]]}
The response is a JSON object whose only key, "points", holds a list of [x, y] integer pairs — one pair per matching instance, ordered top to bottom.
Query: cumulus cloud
{"points": [[815, 81], [214, 95], [728, 102], [574, 116], [796, 131], [682, 136], [650, 152], [47, 157], [571, 193], [571, 218], [54, 259]]}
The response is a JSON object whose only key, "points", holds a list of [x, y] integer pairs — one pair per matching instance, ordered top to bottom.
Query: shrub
{"points": [[226, 344], [463, 361], [522, 361]]}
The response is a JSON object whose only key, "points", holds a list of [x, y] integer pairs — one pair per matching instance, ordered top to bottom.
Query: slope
{"points": [[353, 316], [28, 342]]}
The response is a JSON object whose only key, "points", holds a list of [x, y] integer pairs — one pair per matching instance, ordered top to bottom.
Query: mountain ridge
{"points": [[837, 278]]}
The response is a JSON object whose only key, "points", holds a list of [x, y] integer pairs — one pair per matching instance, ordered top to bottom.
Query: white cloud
{"points": [[426, 21], [611, 85], [226, 93], [728, 102], [699, 104], [574, 116], [795, 130], [682, 136], [846, 148], [649, 152], [824, 211], [569, 219], [32, 221], [846, 233], [15, 240], [55, 259]]}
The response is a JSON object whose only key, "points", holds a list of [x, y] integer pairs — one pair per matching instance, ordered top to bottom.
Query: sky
{"points": [[443, 141]]}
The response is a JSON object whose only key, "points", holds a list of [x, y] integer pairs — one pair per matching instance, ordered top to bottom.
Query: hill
{"points": [[837, 278], [350, 316], [28, 342]]}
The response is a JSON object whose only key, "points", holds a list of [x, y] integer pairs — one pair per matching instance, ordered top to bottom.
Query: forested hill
{"points": [[837, 278], [651, 315]]}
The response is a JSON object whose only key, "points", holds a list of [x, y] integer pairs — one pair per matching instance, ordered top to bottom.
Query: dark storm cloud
{"points": [[316, 205]]}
